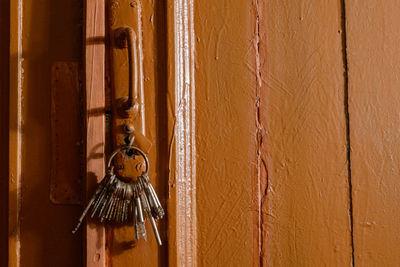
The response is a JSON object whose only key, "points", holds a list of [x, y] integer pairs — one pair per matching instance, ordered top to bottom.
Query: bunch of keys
{"points": [[119, 201]]}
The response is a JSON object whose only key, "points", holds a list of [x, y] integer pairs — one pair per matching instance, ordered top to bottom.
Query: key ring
{"points": [[127, 148], [119, 201]]}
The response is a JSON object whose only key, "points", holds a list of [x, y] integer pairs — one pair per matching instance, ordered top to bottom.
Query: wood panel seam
{"points": [[347, 121], [262, 182]]}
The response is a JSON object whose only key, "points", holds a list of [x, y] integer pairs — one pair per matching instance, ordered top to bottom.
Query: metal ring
{"points": [[126, 148]]}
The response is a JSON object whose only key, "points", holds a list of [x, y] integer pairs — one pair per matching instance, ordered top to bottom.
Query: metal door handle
{"points": [[125, 37]]}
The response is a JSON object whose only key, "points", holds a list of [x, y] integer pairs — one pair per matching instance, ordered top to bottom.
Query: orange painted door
{"points": [[274, 128]]}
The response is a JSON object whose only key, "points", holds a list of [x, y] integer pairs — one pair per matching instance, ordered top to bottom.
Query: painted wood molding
{"points": [[94, 61], [15, 133], [182, 202]]}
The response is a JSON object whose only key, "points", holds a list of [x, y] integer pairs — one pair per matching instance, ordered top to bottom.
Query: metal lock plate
{"points": [[127, 80]]}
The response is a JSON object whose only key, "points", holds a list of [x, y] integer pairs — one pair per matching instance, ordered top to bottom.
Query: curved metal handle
{"points": [[125, 37]]}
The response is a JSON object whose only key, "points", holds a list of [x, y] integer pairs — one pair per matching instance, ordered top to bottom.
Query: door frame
{"points": [[182, 218]]}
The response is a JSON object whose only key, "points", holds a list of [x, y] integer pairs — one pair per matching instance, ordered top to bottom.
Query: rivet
{"points": [[129, 128]]}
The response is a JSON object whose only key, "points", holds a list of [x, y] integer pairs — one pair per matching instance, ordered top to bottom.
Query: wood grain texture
{"points": [[373, 38], [94, 65], [225, 118], [304, 182]]}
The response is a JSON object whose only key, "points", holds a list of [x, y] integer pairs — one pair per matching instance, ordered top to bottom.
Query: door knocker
{"points": [[120, 200]]}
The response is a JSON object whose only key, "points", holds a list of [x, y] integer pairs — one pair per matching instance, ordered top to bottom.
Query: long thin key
{"points": [[104, 190], [151, 192], [100, 199], [106, 200], [91, 201], [112, 201], [126, 203], [145, 204], [153, 204], [107, 205], [123, 206], [108, 209], [118, 209], [158, 209], [114, 211], [121, 216], [150, 216], [136, 224], [142, 229], [155, 230]]}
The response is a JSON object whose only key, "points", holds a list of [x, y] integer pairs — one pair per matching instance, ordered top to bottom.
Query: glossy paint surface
{"points": [[147, 19], [51, 31], [373, 67], [225, 81], [274, 127], [14, 136], [305, 204], [182, 219], [94, 236]]}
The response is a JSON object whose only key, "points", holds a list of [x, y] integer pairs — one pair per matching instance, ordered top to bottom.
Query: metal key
{"points": [[102, 195], [114, 198], [106, 200], [91, 202], [128, 202], [155, 204], [123, 208], [108, 210], [150, 216], [140, 218], [136, 224], [155, 230]]}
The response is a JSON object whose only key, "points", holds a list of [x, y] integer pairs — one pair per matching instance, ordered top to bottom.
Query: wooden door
{"points": [[274, 130]]}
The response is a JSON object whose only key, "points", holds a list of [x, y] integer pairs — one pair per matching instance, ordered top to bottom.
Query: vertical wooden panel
{"points": [[125, 13], [147, 18], [51, 31], [373, 37], [94, 62], [155, 72], [225, 118], [4, 126], [14, 149], [304, 182], [182, 202]]}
